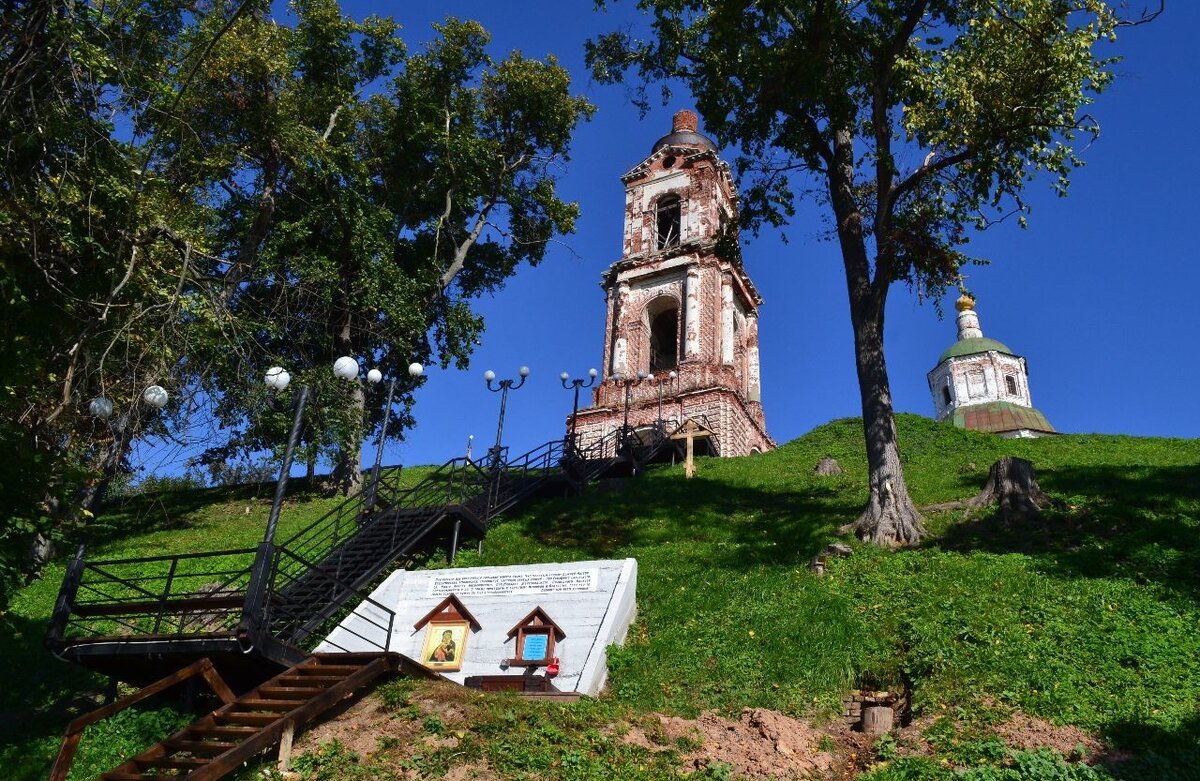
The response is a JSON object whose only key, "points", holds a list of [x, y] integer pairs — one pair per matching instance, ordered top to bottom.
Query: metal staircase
{"points": [[253, 610]]}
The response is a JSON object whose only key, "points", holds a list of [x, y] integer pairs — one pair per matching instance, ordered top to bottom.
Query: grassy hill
{"points": [[1087, 617]]}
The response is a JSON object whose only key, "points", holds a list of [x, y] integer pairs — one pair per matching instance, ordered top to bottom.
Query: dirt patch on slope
{"points": [[1027, 732], [761, 744]]}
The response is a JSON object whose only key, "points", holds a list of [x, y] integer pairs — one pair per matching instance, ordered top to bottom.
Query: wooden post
{"points": [[689, 467], [877, 720], [285, 747]]}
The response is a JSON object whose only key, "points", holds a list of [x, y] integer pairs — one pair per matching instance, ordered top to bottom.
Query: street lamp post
{"points": [[374, 377], [277, 379], [660, 381], [628, 382], [576, 384], [502, 387]]}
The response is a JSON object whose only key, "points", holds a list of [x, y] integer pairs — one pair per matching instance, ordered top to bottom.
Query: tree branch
{"points": [[929, 167], [461, 250]]}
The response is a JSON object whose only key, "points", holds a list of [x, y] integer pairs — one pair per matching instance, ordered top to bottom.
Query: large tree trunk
{"points": [[347, 472], [91, 495], [890, 517]]}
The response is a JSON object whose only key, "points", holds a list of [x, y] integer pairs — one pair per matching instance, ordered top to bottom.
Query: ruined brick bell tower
{"points": [[676, 305]]}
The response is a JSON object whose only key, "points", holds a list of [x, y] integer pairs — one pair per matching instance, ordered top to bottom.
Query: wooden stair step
{"points": [[325, 669], [307, 679], [288, 692], [257, 703], [261, 719], [222, 730], [212, 747], [175, 763]]}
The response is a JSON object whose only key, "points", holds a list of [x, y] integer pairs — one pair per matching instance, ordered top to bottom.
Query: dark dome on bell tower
{"points": [[685, 132]]}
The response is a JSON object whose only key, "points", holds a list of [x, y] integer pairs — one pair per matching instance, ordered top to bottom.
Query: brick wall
{"points": [[715, 301]]}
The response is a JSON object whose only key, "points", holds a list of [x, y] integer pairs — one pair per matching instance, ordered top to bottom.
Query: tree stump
{"points": [[827, 467], [1012, 486], [877, 720]]}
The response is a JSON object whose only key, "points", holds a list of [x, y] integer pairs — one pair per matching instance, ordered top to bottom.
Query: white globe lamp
{"points": [[345, 368], [277, 378], [156, 396], [100, 407]]}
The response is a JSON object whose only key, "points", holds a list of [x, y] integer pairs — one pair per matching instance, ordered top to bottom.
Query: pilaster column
{"points": [[691, 318], [727, 319], [621, 343], [753, 375]]}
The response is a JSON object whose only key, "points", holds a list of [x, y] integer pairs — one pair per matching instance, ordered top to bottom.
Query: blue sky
{"points": [[1098, 293]]}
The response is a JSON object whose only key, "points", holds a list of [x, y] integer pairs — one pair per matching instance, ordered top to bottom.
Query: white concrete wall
{"points": [[593, 615]]}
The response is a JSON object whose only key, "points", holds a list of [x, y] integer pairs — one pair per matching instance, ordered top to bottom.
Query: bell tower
{"points": [[679, 304]]}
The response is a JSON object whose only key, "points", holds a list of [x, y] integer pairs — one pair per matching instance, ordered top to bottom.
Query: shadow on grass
{"points": [[1117, 521], [742, 527], [50, 692], [1162, 753]]}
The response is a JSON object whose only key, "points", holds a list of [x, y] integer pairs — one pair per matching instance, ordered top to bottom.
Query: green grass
{"points": [[1086, 617]]}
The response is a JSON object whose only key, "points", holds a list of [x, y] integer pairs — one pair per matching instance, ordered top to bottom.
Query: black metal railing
{"points": [[297, 589], [190, 593], [296, 623]]}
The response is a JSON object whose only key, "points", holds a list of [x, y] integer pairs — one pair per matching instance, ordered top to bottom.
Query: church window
{"points": [[668, 221], [664, 340], [1011, 383], [976, 385], [946, 395]]}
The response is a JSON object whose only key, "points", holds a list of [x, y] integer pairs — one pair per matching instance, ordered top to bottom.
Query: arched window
{"points": [[668, 221], [664, 340], [1010, 382], [946, 395]]}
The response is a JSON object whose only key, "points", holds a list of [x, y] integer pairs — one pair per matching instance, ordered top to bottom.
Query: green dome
{"points": [[974, 346]]}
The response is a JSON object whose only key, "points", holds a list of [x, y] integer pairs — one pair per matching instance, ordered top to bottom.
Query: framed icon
{"points": [[445, 645]]}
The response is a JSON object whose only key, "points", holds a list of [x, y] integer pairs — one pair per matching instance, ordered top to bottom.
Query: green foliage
{"points": [[985, 95], [190, 195], [104, 745], [1037, 765]]}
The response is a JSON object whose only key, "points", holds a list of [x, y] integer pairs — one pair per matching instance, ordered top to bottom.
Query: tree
{"points": [[918, 121], [192, 192], [364, 197], [85, 309]]}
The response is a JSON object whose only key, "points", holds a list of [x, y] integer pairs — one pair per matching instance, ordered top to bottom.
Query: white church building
{"points": [[981, 384]]}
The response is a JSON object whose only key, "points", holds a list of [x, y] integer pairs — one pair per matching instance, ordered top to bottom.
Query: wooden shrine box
{"points": [[536, 634]]}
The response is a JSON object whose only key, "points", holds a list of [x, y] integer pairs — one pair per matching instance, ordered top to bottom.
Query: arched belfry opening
{"points": [[669, 221], [663, 315], [681, 327]]}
